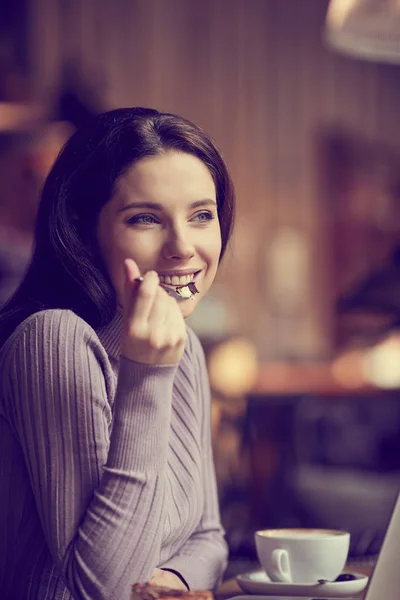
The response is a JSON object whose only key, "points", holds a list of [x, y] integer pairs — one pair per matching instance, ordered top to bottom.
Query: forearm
{"points": [[140, 430], [128, 504], [118, 540], [201, 561]]}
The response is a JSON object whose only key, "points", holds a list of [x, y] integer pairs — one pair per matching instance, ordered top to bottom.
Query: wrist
{"points": [[178, 575]]}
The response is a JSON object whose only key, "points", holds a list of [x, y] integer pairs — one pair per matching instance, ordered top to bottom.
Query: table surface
{"points": [[230, 587]]}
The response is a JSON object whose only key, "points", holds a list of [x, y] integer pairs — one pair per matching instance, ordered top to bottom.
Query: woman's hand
{"points": [[154, 328], [167, 579]]}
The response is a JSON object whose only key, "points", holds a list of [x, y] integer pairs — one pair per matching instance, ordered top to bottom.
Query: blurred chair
{"points": [[346, 470]]}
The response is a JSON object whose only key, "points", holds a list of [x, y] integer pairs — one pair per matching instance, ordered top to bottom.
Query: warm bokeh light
{"points": [[338, 11], [368, 29], [16, 116], [382, 363], [233, 366], [347, 369]]}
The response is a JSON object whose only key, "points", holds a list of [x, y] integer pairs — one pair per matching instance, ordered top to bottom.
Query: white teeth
{"points": [[176, 280]]}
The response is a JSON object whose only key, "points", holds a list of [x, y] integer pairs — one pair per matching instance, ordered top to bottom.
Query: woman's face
{"points": [[163, 215]]}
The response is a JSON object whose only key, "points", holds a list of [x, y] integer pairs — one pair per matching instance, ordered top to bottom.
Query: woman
{"points": [[105, 447]]}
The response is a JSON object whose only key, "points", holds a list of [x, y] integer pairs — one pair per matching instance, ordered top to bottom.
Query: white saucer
{"points": [[259, 583]]}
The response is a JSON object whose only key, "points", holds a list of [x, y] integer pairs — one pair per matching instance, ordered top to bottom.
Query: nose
{"points": [[178, 245]]}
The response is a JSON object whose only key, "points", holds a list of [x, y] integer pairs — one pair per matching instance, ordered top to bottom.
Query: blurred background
{"points": [[301, 329]]}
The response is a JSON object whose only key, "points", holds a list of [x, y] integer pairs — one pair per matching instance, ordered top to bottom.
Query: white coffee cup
{"points": [[302, 555]]}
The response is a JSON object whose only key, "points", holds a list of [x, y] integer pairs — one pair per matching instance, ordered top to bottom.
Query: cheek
{"points": [[126, 245], [142, 249], [214, 250], [189, 306]]}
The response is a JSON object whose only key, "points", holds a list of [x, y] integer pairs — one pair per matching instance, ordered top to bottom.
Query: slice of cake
{"points": [[146, 591]]}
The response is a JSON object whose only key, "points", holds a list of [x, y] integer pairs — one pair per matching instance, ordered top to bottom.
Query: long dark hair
{"points": [[66, 270]]}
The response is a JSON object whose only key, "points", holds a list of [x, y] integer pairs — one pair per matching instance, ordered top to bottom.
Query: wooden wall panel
{"points": [[254, 74]]}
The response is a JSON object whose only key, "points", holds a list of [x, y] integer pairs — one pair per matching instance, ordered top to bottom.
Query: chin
{"points": [[187, 307]]}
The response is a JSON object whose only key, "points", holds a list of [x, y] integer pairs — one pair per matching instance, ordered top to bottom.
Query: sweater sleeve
{"points": [[99, 495], [202, 560]]}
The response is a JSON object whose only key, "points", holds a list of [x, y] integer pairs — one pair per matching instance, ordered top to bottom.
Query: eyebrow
{"points": [[156, 206]]}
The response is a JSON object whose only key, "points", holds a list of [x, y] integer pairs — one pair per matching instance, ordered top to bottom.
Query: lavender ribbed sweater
{"points": [[105, 465]]}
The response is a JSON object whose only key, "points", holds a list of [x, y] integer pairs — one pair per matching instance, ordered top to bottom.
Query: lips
{"points": [[178, 279], [180, 287], [182, 292]]}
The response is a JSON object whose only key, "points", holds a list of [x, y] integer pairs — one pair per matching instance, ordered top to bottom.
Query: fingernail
{"points": [[138, 279]]}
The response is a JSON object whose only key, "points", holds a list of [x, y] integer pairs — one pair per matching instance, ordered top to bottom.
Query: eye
{"points": [[204, 216], [143, 219]]}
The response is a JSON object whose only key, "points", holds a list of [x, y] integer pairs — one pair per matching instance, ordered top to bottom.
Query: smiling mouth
{"points": [[178, 280], [180, 288]]}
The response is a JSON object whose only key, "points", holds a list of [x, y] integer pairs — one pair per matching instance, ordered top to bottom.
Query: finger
{"points": [[132, 271], [132, 277], [143, 299], [158, 318], [178, 322], [175, 324], [164, 326]]}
